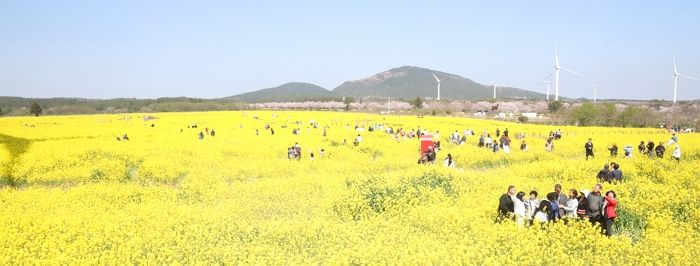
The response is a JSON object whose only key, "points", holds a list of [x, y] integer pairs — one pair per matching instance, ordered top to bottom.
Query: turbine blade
{"points": [[556, 55], [675, 70], [571, 71], [549, 77], [687, 77], [436, 78], [593, 84]]}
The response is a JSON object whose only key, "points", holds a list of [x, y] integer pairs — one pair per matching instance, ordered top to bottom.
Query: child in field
{"points": [[449, 162]]}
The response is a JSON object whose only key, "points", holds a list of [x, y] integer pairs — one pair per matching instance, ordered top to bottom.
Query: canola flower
{"points": [[72, 194]]}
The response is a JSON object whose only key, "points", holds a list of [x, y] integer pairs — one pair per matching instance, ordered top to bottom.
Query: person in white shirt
{"points": [[489, 140], [677, 153], [531, 205], [571, 205], [519, 208]]}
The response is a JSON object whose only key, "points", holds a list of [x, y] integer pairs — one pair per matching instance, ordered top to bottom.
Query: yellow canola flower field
{"points": [[72, 194]]}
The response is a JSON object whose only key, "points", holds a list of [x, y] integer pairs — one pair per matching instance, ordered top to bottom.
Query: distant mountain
{"points": [[409, 82], [294, 91]]}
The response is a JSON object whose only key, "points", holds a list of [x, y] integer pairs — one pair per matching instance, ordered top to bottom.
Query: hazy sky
{"points": [[147, 49]]}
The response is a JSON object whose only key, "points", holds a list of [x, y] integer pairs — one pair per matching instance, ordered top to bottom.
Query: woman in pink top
{"points": [[610, 211]]}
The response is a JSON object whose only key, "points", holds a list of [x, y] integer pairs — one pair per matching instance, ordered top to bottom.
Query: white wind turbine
{"points": [[557, 67], [675, 79], [546, 81], [438, 82], [494, 89], [595, 91]]}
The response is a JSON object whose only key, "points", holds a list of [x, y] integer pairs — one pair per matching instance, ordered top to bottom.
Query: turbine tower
{"points": [[557, 67], [675, 79], [546, 81], [438, 82], [494, 89], [595, 91]]}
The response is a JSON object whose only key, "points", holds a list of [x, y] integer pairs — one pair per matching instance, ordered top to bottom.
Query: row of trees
{"points": [[608, 114], [651, 114]]}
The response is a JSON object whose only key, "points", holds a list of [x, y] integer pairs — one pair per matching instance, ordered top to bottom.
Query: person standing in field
{"points": [[498, 132], [201, 135], [674, 138], [489, 141], [505, 142], [495, 146], [523, 146], [549, 146], [641, 147], [589, 148], [650, 148], [660, 149], [613, 150], [628, 151], [677, 153], [449, 162], [616, 173], [604, 174], [561, 198], [582, 204], [531, 205], [506, 206], [571, 206], [595, 206], [519, 208], [554, 211], [610, 211]]}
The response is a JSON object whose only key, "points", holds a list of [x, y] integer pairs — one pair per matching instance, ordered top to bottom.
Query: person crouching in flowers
{"points": [[610, 211], [541, 214]]}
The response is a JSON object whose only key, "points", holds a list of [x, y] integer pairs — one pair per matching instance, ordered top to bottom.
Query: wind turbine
{"points": [[557, 67], [675, 79], [546, 81], [438, 82], [494, 89], [595, 91]]}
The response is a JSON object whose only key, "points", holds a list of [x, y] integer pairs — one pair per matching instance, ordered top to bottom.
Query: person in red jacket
{"points": [[610, 211]]}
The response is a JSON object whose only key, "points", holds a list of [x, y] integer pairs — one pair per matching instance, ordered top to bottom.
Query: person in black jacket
{"points": [[641, 147], [650, 148], [589, 149], [660, 149], [613, 150], [604, 174], [506, 206]]}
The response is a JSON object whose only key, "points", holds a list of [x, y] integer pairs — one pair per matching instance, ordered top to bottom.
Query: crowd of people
{"points": [[649, 148], [595, 207]]}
